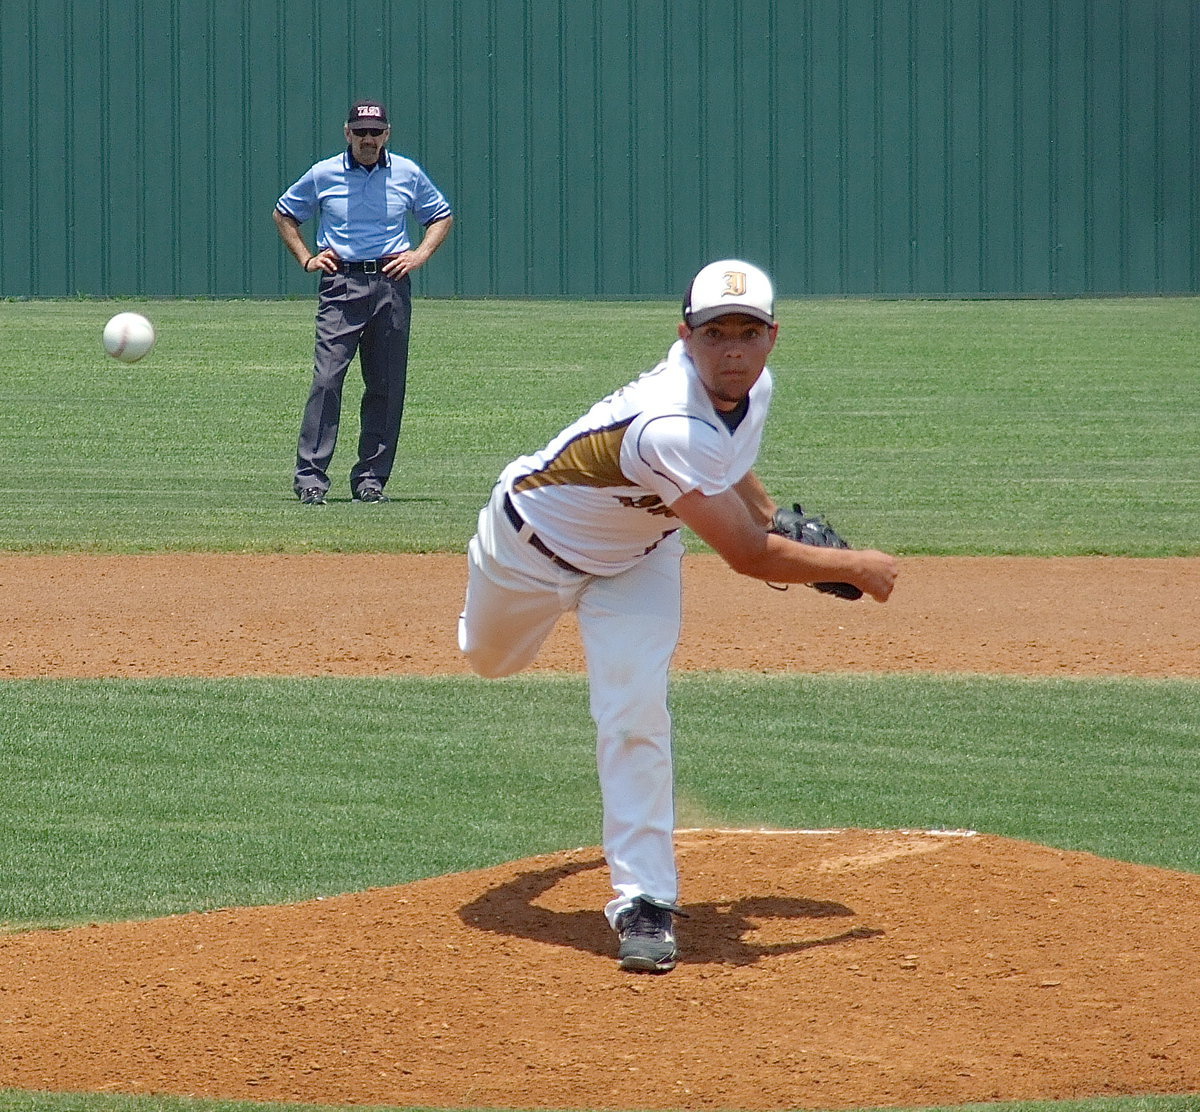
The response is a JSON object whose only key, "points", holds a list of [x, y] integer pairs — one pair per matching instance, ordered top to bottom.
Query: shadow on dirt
{"points": [[714, 933]]}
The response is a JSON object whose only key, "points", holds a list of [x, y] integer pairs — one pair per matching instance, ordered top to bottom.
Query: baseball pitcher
{"points": [[591, 524]]}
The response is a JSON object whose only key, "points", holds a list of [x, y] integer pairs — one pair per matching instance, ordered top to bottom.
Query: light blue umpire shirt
{"points": [[364, 209]]}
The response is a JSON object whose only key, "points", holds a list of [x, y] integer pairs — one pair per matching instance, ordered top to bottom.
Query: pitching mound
{"points": [[820, 970]]}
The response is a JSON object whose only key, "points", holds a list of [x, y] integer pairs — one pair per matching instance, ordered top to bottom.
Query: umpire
{"points": [[364, 255]]}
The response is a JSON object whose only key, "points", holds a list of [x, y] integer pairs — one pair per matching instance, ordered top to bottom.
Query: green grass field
{"points": [[1032, 427], [1038, 427], [186, 794]]}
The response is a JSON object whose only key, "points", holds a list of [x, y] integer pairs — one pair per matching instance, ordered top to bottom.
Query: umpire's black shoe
{"points": [[371, 494], [311, 496], [647, 936]]}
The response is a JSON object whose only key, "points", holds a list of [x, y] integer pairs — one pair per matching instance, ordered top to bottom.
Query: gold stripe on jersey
{"points": [[592, 459]]}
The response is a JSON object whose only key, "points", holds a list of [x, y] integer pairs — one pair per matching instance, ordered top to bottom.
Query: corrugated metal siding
{"points": [[607, 148]]}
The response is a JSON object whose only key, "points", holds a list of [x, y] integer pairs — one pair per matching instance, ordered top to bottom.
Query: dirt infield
{"points": [[369, 615], [822, 969]]}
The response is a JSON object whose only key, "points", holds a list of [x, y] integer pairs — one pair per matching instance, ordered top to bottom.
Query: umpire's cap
{"points": [[366, 113]]}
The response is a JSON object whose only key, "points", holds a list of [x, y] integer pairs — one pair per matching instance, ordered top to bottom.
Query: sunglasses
{"points": [[373, 131]]}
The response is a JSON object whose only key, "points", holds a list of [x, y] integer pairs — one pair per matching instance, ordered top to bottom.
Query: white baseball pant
{"points": [[629, 624]]}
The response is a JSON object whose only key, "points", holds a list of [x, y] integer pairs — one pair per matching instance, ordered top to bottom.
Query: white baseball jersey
{"points": [[599, 494]]}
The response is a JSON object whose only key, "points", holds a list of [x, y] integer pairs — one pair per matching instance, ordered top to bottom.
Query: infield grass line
{"points": [[950, 427], [140, 798], [20, 1101]]}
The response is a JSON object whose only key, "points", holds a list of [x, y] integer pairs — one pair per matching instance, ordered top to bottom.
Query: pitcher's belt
{"points": [[519, 523]]}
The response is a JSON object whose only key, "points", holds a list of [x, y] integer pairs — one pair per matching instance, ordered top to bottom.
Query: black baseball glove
{"points": [[796, 525]]}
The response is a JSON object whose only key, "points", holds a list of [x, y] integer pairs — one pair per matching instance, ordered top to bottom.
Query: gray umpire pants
{"points": [[370, 314]]}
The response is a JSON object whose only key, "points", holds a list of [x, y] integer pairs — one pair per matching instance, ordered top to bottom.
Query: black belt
{"points": [[366, 266], [519, 523]]}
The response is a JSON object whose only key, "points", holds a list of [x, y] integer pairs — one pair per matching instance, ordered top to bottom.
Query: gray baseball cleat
{"points": [[647, 936]]}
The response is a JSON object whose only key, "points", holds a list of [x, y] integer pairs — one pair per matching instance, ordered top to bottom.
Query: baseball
{"points": [[128, 337]]}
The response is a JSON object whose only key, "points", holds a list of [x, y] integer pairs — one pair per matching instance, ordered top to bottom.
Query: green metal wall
{"points": [[606, 148]]}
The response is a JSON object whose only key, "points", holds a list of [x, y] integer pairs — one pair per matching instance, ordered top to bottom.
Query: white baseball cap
{"points": [[729, 286]]}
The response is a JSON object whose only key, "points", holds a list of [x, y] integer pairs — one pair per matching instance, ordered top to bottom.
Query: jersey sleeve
{"points": [[300, 201], [429, 206], [674, 454]]}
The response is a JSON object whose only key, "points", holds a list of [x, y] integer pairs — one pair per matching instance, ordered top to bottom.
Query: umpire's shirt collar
{"points": [[352, 163]]}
